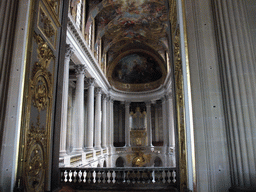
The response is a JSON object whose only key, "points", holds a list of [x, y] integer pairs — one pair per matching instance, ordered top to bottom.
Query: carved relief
{"points": [[54, 6], [47, 26], [37, 133]]}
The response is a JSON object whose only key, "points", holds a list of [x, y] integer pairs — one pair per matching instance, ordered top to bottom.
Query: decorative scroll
{"points": [[39, 108]]}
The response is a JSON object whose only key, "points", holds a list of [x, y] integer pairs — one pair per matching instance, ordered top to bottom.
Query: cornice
{"points": [[83, 54]]}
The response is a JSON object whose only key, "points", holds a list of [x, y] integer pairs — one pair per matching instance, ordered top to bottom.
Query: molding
{"points": [[82, 54]]}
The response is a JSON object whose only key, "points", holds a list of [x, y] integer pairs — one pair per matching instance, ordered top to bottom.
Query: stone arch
{"points": [[120, 162], [158, 162]]}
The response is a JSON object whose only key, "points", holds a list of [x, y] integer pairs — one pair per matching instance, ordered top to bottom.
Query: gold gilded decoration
{"points": [[53, 7], [173, 15], [47, 26], [48, 29], [44, 53], [40, 87], [180, 113], [138, 137], [36, 151], [89, 155], [76, 159], [139, 159], [35, 168]]}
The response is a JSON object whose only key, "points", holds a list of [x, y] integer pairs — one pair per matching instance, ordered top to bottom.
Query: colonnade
{"points": [[159, 122], [92, 125]]}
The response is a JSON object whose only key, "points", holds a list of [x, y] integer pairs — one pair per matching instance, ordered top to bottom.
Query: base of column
{"points": [[97, 148], [89, 149], [77, 150], [63, 153]]}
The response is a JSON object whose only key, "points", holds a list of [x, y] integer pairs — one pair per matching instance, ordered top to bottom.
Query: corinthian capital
{"points": [[69, 51], [80, 69], [90, 81], [98, 90]]}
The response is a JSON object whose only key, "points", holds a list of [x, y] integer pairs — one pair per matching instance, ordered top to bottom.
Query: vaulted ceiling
{"points": [[134, 36]]}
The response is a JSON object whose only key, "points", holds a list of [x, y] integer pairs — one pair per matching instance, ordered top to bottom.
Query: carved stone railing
{"points": [[114, 178]]}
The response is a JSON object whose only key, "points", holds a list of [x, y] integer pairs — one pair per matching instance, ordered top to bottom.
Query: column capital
{"points": [[69, 51], [80, 69], [90, 81], [98, 90], [169, 95], [104, 96], [163, 99], [111, 100], [127, 103], [148, 103]]}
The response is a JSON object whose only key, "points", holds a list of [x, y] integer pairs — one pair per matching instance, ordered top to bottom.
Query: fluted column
{"points": [[238, 72], [64, 111], [79, 117], [98, 118], [90, 119], [111, 120], [170, 120], [104, 121], [108, 121], [164, 121], [149, 123], [127, 127]]}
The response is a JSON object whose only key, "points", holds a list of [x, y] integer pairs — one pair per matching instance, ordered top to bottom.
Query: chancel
{"points": [[128, 95]]}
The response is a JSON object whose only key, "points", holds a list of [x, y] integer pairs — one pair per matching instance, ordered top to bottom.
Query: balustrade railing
{"points": [[117, 177]]}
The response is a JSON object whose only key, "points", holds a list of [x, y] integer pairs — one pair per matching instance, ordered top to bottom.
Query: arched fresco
{"points": [[137, 68]]}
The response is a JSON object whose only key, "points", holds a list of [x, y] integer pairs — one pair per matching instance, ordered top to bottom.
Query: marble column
{"points": [[238, 80], [79, 99], [64, 111], [90, 118], [111, 120], [170, 120], [104, 121], [108, 121], [97, 123], [149, 123], [127, 127], [165, 132]]}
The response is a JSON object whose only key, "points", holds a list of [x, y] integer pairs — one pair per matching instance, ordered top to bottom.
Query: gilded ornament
{"points": [[47, 25], [44, 53], [35, 168]]}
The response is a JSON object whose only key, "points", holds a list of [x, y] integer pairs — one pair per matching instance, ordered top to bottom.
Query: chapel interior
{"points": [[128, 95]]}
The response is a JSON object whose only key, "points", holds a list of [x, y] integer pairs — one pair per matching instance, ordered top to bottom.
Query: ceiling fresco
{"points": [[120, 23], [137, 68]]}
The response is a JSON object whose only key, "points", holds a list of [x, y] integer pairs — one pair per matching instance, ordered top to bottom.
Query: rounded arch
{"points": [[120, 162], [158, 162], [104, 163]]}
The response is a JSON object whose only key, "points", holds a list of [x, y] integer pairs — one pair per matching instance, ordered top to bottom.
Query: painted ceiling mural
{"points": [[120, 23], [136, 69]]}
